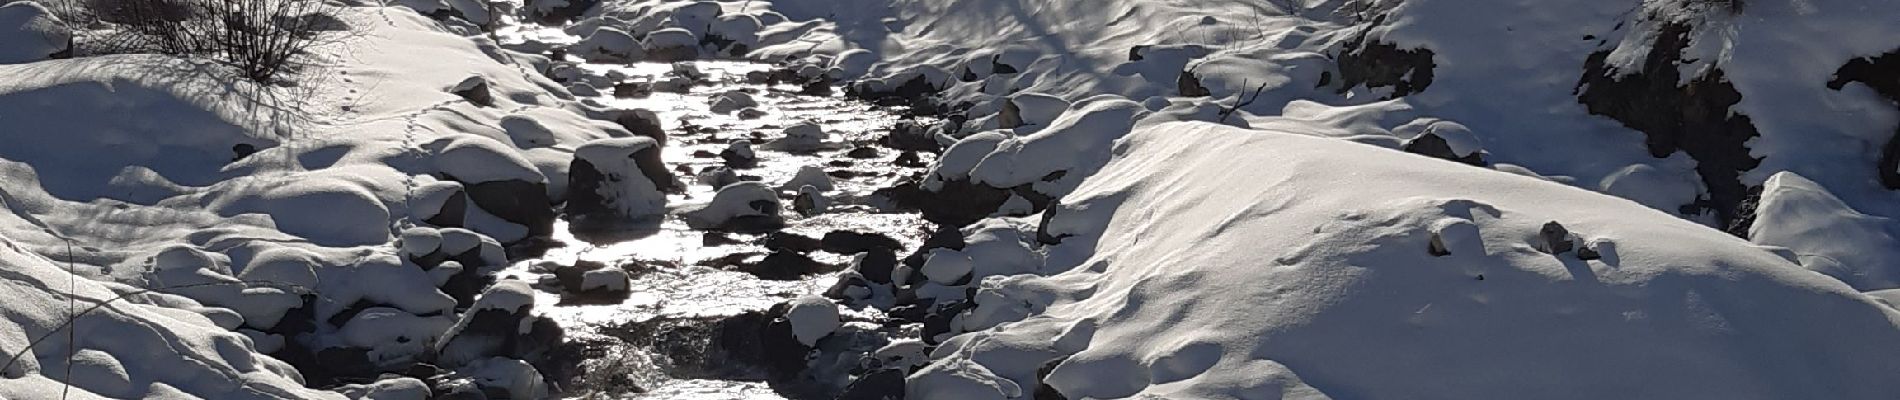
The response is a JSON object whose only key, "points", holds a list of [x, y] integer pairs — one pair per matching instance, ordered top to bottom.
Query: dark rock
{"points": [[569, 10], [1134, 53], [673, 54], [1375, 64], [998, 67], [1189, 85], [820, 87], [475, 90], [633, 90], [1695, 118], [641, 123], [909, 136], [1432, 145], [242, 150], [862, 152], [704, 154], [909, 159], [735, 160], [840, 163], [842, 174], [521, 202], [454, 211], [1042, 229], [716, 239], [1555, 239], [786, 241], [849, 242], [786, 266], [876, 266], [841, 290], [937, 322], [346, 362], [880, 385], [457, 389], [1043, 390]]}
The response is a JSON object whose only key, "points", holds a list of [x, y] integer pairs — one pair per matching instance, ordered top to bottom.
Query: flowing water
{"points": [[654, 344]]}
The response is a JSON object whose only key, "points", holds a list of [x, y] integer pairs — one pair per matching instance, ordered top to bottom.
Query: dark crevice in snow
{"points": [[1881, 73], [1695, 118]]}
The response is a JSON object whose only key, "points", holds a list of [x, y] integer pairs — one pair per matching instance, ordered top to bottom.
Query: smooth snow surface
{"points": [[1213, 262]]}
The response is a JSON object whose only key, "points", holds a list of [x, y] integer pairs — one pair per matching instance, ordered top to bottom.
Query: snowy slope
{"points": [[1213, 262]]}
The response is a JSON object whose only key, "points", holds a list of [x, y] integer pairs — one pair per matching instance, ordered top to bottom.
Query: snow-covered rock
{"points": [[30, 32], [608, 45], [731, 101], [801, 138], [810, 175], [623, 177], [740, 206], [1825, 234], [1209, 261], [812, 318]]}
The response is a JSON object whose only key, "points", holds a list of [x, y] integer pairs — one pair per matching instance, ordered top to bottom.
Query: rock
{"points": [[557, 12], [32, 33], [608, 45], [671, 45], [1375, 64], [1881, 73], [1189, 85], [475, 90], [633, 90], [732, 101], [751, 113], [1694, 115], [640, 122], [908, 136], [801, 138], [1445, 140], [864, 152], [739, 155], [909, 159], [810, 175], [621, 177], [520, 202], [810, 202], [740, 207], [1554, 239], [786, 241], [852, 242], [875, 265], [786, 266], [948, 267], [603, 285], [850, 288], [812, 318], [937, 322], [491, 328], [885, 384], [1043, 390]]}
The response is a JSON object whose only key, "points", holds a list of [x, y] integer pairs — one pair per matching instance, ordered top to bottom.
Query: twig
{"points": [[1238, 103]]}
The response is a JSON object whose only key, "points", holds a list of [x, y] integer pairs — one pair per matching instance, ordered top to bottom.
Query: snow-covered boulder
{"points": [[556, 12], [29, 32], [671, 44], [608, 45], [731, 101], [1030, 109], [804, 137], [1442, 139], [739, 155], [810, 175], [622, 177], [500, 182], [810, 201], [743, 206], [1825, 234], [1173, 286], [812, 318], [496, 326], [404, 388]]}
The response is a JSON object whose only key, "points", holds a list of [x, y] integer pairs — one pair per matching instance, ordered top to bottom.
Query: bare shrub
{"points": [[261, 38]]}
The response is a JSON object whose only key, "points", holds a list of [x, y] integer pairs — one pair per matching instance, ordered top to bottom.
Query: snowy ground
{"points": [[1180, 199]]}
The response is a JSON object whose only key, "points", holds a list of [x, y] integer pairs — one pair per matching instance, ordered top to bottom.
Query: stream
{"points": [[665, 339]]}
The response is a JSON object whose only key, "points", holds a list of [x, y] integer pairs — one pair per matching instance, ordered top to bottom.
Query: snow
{"points": [[30, 33], [608, 44], [1077, 142], [810, 175], [626, 187], [734, 201], [1828, 236], [1210, 261], [947, 266], [608, 279], [812, 317], [404, 388]]}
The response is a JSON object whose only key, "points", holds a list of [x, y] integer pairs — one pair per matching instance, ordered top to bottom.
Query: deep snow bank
{"points": [[1213, 262]]}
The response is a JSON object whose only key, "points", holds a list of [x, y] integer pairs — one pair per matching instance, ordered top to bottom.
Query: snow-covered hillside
{"points": [[1134, 198]]}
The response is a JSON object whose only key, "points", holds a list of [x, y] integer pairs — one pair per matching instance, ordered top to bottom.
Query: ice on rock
{"points": [[947, 267], [812, 317]]}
